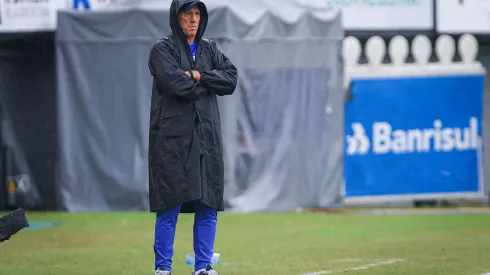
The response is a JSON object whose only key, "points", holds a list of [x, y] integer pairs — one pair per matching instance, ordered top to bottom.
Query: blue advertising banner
{"points": [[413, 136]]}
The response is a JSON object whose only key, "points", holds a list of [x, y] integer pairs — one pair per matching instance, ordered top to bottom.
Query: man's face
{"points": [[189, 21]]}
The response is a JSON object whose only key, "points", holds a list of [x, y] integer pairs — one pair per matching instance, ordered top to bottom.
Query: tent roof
{"points": [[247, 10], [227, 19]]}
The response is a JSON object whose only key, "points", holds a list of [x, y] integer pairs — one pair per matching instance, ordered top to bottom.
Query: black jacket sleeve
{"points": [[170, 78], [223, 79], [12, 223]]}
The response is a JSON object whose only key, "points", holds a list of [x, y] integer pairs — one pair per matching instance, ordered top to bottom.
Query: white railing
{"points": [[421, 49]]}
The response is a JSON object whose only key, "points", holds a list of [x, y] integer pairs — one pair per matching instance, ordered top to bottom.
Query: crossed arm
{"points": [[169, 77], [223, 79], [172, 80]]}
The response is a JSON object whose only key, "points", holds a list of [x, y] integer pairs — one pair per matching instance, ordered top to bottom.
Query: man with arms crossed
{"points": [[186, 173]]}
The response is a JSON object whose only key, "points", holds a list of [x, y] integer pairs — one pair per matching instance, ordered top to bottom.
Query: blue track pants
{"points": [[205, 220]]}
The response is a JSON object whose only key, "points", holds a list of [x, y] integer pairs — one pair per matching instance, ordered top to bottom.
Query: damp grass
{"points": [[292, 244]]}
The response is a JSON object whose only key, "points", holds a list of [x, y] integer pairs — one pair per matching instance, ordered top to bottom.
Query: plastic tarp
{"points": [[484, 58], [28, 117], [282, 129], [289, 151]]}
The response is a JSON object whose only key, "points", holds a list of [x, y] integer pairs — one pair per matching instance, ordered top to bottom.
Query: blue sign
{"points": [[84, 3], [413, 136]]}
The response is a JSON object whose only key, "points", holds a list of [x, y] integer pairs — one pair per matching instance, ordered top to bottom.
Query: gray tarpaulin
{"points": [[484, 58], [28, 118], [283, 146], [289, 150]]}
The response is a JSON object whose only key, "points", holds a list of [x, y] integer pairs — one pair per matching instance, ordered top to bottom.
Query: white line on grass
{"points": [[353, 260], [358, 260], [362, 267]]}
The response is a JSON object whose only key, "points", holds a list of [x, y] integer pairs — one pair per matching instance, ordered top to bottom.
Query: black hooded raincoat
{"points": [[185, 145]]}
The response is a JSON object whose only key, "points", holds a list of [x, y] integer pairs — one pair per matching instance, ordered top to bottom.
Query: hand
{"points": [[187, 73], [197, 75]]}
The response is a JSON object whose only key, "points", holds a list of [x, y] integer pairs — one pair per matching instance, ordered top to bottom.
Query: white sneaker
{"points": [[209, 270], [162, 272]]}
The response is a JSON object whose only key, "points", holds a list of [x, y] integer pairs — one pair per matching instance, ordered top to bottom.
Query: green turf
{"points": [[262, 244]]}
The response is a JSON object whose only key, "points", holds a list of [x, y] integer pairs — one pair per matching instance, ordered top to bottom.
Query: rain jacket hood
{"points": [[175, 8]]}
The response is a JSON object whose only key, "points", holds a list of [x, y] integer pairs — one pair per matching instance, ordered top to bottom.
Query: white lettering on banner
{"points": [[386, 140], [358, 143]]}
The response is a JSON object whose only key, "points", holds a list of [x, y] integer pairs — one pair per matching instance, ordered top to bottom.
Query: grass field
{"points": [[275, 244]]}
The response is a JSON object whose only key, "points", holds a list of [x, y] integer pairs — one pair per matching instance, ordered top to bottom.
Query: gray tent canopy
{"points": [[282, 150]]}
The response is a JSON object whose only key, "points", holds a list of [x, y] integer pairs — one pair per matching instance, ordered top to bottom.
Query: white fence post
{"points": [[421, 49]]}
